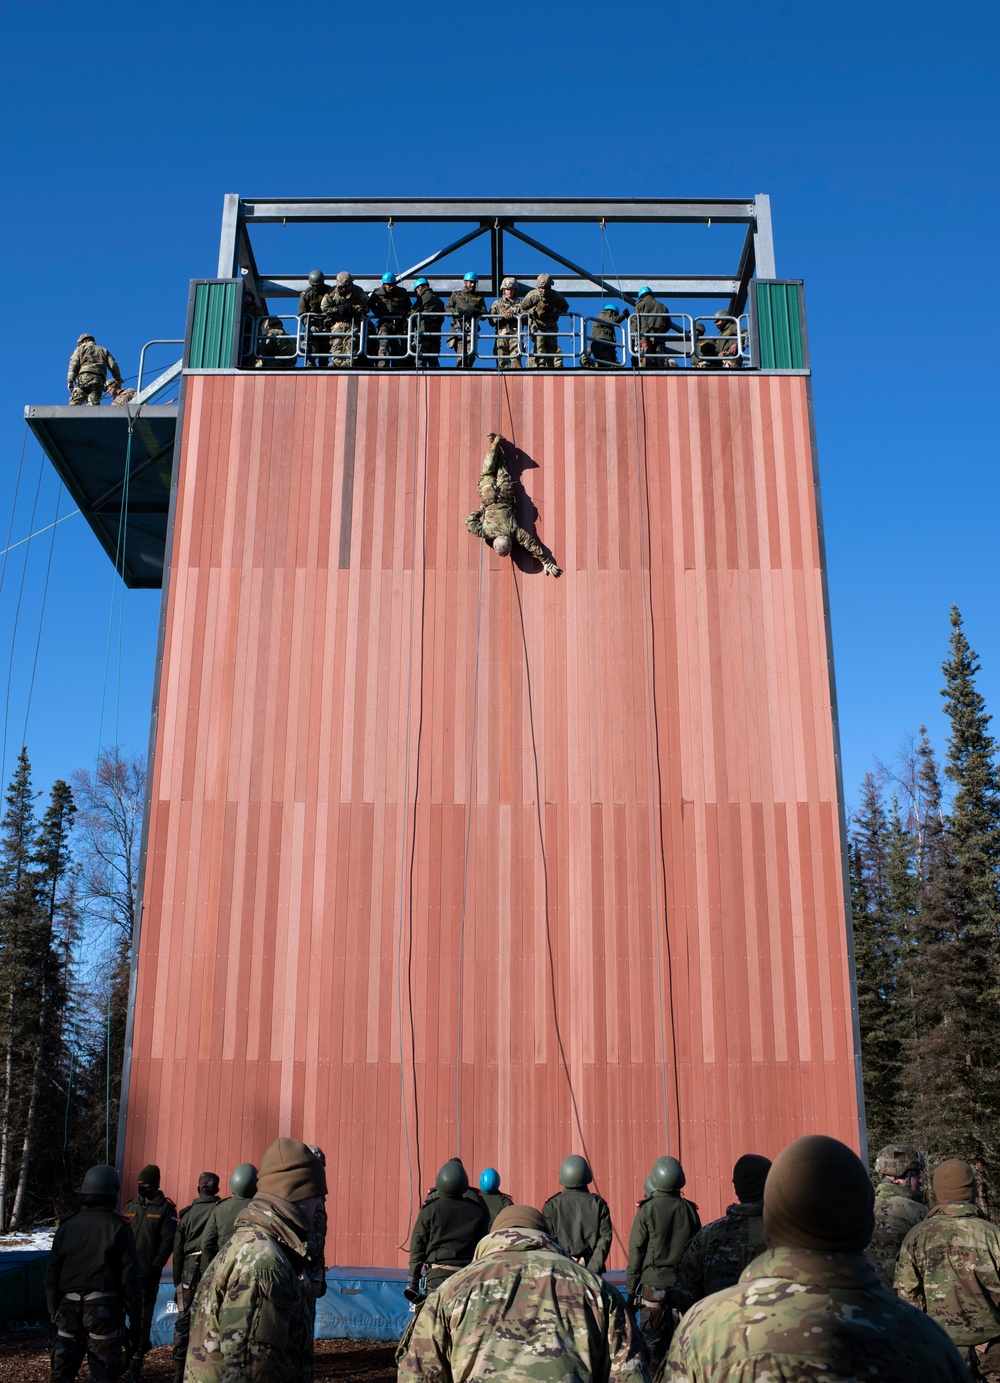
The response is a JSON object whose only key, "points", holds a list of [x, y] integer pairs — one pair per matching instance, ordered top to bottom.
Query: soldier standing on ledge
{"points": [[389, 304], [465, 305], [311, 306], [89, 366], [152, 1217], [579, 1219], [188, 1267], [91, 1283]]}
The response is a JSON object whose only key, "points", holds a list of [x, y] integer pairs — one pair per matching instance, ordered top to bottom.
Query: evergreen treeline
{"points": [[924, 849], [67, 905]]}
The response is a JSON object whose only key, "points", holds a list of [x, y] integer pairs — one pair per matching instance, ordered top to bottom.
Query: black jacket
{"points": [[153, 1224], [93, 1251]]}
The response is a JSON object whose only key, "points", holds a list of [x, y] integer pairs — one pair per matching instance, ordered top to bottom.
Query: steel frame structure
{"points": [[501, 220]]}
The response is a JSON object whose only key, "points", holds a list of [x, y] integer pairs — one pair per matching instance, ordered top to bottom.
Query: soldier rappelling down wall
{"points": [[495, 522]]}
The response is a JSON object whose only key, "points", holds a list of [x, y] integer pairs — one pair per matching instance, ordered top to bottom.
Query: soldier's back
{"points": [[896, 1213], [574, 1219], [717, 1255], [949, 1266]]}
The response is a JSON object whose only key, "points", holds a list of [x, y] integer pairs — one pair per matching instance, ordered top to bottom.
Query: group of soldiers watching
{"points": [[334, 314], [810, 1275]]}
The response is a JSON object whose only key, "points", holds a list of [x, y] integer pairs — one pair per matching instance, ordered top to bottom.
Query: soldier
{"points": [[465, 305], [390, 306], [345, 307], [543, 307], [311, 308], [430, 309], [504, 315], [652, 322], [603, 337], [275, 348], [721, 352], [89, 366], [120, 396], [495, 520], [496, 1200], [898, 1206], [152, 1217], [577, 1218], [222, 1221], [191, 1224], [662, 1228], [446, 1231], [718, 1253], [949, 1266], [91, 1283], [812, 1307], [524, 1310], [252, 1317]]}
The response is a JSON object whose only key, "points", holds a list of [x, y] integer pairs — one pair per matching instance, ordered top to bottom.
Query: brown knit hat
{"points": [[291, 1170], [749, 1176], [955, 1181], [819, 1196], [519, 1217]]}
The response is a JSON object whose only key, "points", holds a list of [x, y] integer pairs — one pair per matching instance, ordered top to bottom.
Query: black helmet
{"points": [[316, 276], [575, 1171], [667, 1174], [452, 1179], [243, 1180], [100, 1181]]}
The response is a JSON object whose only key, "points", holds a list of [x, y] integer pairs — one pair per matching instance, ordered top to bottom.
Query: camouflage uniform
{"points": [[389, 304], [311, 305], [345, 306], [464, 306], [544, 307], [431, 310], [604, 338], [506, 345], [275, 348], [89, 367], [498, 495], [897, 1211], [581, 1221], [153, 1223], [221, 1227], [661, 1231], [717, 1254], [949, 1266], [188, 1268], [91, 1280], [523, 1310], [807, 1316], [251, 1319]]}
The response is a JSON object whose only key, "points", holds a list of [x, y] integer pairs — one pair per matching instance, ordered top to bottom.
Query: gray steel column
{"points": [[763, 242], [228, 268]]}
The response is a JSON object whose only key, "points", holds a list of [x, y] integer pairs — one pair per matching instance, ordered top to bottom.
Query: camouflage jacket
{"points": [[345, 303], [544, 308], [504, 313], [92, 359], [496, 486], [896, 1213], [717, 1254], [949, 1266], [314, 1273], [524, 1312], [804, 1316], [251, 1321]]}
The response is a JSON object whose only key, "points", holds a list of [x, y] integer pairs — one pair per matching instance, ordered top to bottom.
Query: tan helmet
{"points": [[344, 277], [543, 281], [508, 283], [86, 336], [502, 545]]}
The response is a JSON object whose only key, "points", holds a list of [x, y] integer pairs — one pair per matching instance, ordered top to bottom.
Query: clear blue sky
{"points": [[873, 127]]}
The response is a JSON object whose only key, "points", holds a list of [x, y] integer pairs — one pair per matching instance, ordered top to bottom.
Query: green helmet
{"points": [[316, 276], [898, 1160], [575, 1171], [667, 1174], [452, 1179], [243, 1180], [100, 1181]]}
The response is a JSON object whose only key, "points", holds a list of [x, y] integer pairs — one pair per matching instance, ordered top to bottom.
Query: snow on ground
{"points": [[27, 1241]]}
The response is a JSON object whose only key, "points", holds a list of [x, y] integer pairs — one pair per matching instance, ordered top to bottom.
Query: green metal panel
{"points": [[213, 324], [779, 325]]}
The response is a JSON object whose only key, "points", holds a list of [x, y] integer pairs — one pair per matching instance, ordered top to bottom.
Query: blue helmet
{"points": [[470, 277], [388, 278], [417, 283], [645, 289], [610, 307], [489, 1180]]}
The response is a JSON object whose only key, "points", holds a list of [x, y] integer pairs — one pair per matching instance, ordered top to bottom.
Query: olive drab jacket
{"points": [[389, 303], [464, 304], [430, 307], [653, 316], [581, 1221], [191, 1223], [153, 1224], [221, 1227], [662, 1229], [446, 1232], [93, 1251], [252, 1317]]}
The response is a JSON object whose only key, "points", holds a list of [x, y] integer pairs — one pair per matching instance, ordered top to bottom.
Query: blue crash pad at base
{"points": [[22, 1285]]}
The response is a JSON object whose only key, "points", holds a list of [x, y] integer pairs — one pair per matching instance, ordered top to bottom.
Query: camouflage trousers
{"points": [[344, 346], [507, 349], [464, 352], [545, 354], [87, 389], [489, 529], [656, 1321], [91, 1326], [983, 1360]]}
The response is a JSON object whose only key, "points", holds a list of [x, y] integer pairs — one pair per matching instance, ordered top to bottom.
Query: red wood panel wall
{"points": [[372, 728]]}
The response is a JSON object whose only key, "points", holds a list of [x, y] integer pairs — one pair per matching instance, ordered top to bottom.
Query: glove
{"points": [[551, 569], [412, 1291]]}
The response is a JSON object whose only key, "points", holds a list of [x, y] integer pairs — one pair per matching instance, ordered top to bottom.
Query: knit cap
{"points": [[291, 1170], [149, 1176], [749, 1176], [955, 1181], [818, 1195], [519, 1217]]}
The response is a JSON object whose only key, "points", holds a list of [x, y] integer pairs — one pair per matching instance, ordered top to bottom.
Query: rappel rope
{"points": [[17, 489], [41, 615], [17, 620], [655, 806]]}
